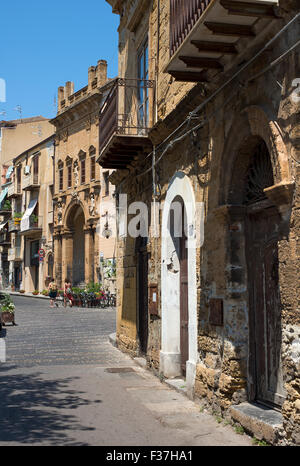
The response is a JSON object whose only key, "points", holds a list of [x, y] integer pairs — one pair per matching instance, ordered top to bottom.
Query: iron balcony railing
{"points": [[183, 16], [128, 109]]}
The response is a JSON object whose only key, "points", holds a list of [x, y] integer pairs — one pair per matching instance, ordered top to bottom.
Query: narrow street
{"points": [[63, 383]]}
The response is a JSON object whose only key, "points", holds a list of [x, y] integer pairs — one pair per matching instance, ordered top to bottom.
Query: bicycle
{"points": [[112, 300]]}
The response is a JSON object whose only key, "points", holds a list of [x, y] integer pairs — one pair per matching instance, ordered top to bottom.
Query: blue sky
{"points": [[44, 44]]}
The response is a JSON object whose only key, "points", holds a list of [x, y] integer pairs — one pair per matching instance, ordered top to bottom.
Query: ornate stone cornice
{"points": [[73, 113]]}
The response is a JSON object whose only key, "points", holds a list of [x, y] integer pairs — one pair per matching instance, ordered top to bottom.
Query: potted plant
{"points": [[7, 206], [18, 217], [34, 220], [22, 291], [35, 292], [7, 310]]}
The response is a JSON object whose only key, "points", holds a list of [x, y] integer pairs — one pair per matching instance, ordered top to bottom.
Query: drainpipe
{"points": [[157, 61]]}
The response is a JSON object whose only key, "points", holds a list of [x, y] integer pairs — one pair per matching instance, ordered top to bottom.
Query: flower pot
{"points": [[7, 318]]}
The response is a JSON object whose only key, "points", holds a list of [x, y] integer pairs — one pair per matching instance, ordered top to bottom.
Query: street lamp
{"points": [[107, 231]]}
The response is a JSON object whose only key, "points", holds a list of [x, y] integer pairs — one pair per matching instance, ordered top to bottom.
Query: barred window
{"points": [[93, 167], [83, 171], [69, 176], [61, 179]]}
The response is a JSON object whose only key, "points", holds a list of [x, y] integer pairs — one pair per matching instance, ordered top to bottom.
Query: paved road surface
{"points": [[64, 384]]}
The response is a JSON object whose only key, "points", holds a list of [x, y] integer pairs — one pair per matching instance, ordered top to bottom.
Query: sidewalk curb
{"points": [[29, 295], [112, 339], [178, 384]]}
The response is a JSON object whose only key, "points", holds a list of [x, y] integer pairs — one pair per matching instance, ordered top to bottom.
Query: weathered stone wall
{"points": [[215, 159]]}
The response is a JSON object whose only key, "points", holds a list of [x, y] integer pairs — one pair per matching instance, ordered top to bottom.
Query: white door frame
{"points": [[170, 357]]}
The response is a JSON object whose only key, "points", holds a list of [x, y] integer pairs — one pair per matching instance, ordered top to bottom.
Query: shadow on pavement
{"points": [[34, 410]]}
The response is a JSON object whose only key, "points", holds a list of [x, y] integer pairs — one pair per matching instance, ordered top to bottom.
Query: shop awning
{"points": [[9, 172], [3, 195], [25, 222], [2, 225]]}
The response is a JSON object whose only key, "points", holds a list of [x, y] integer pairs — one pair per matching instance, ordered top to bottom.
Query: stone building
{"points": [[212, 130], [16, 136], [30, 192], [82, 194]]}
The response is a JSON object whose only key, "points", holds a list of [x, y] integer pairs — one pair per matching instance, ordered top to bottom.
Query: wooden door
{"points": [[143, 295], [265, 309], [184, 314]]}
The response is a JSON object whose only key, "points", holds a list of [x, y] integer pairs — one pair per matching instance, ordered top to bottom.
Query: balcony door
{"points": [[143, 91], [36, 169], [19, 180]]}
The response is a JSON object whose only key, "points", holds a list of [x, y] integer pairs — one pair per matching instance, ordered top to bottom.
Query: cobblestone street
{"points": [[46, 336], [65, 384]]}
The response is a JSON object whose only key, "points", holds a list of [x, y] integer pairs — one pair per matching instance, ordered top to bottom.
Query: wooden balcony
{"points": [[209, 36], [125, 119]]}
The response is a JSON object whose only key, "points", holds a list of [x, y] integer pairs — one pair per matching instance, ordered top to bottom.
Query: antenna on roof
{"points": [[18, 109]]}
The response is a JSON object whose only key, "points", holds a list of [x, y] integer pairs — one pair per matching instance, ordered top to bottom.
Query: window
{"points": [[143, 93], [82, 163], [93, 167], [69, 168], [35, 169], [19, 174], [61, 178], [106, 183], [34, 253], [50, 265]]}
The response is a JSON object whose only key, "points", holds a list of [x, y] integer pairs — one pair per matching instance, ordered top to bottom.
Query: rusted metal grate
{"points": [[117, 370]]}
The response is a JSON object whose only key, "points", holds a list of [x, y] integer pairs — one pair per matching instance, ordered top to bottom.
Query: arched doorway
{"points": [[252, 175], [262, 235], [74, 246], [78, 248], [50, 265], [178, 282], [142, 287]]}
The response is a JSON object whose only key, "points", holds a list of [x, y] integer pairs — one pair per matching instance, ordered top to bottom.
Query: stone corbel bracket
{"points": [[281, 195]]}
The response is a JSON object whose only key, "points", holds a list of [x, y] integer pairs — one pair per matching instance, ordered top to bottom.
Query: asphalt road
{"points": [[63, 383]]}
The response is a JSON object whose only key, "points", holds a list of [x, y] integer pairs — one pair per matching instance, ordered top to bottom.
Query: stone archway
{"points": [[254, 125], [180, 190], [255, 196], [73, 245]]}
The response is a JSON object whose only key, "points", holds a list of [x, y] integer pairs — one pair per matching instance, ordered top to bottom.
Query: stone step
{"points": [[262, 422]]}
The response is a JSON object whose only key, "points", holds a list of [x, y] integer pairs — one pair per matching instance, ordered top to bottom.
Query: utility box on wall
{"points": [[153, 299]]}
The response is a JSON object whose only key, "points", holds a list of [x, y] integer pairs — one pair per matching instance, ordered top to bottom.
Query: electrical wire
{"points": [[193, 114]]}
